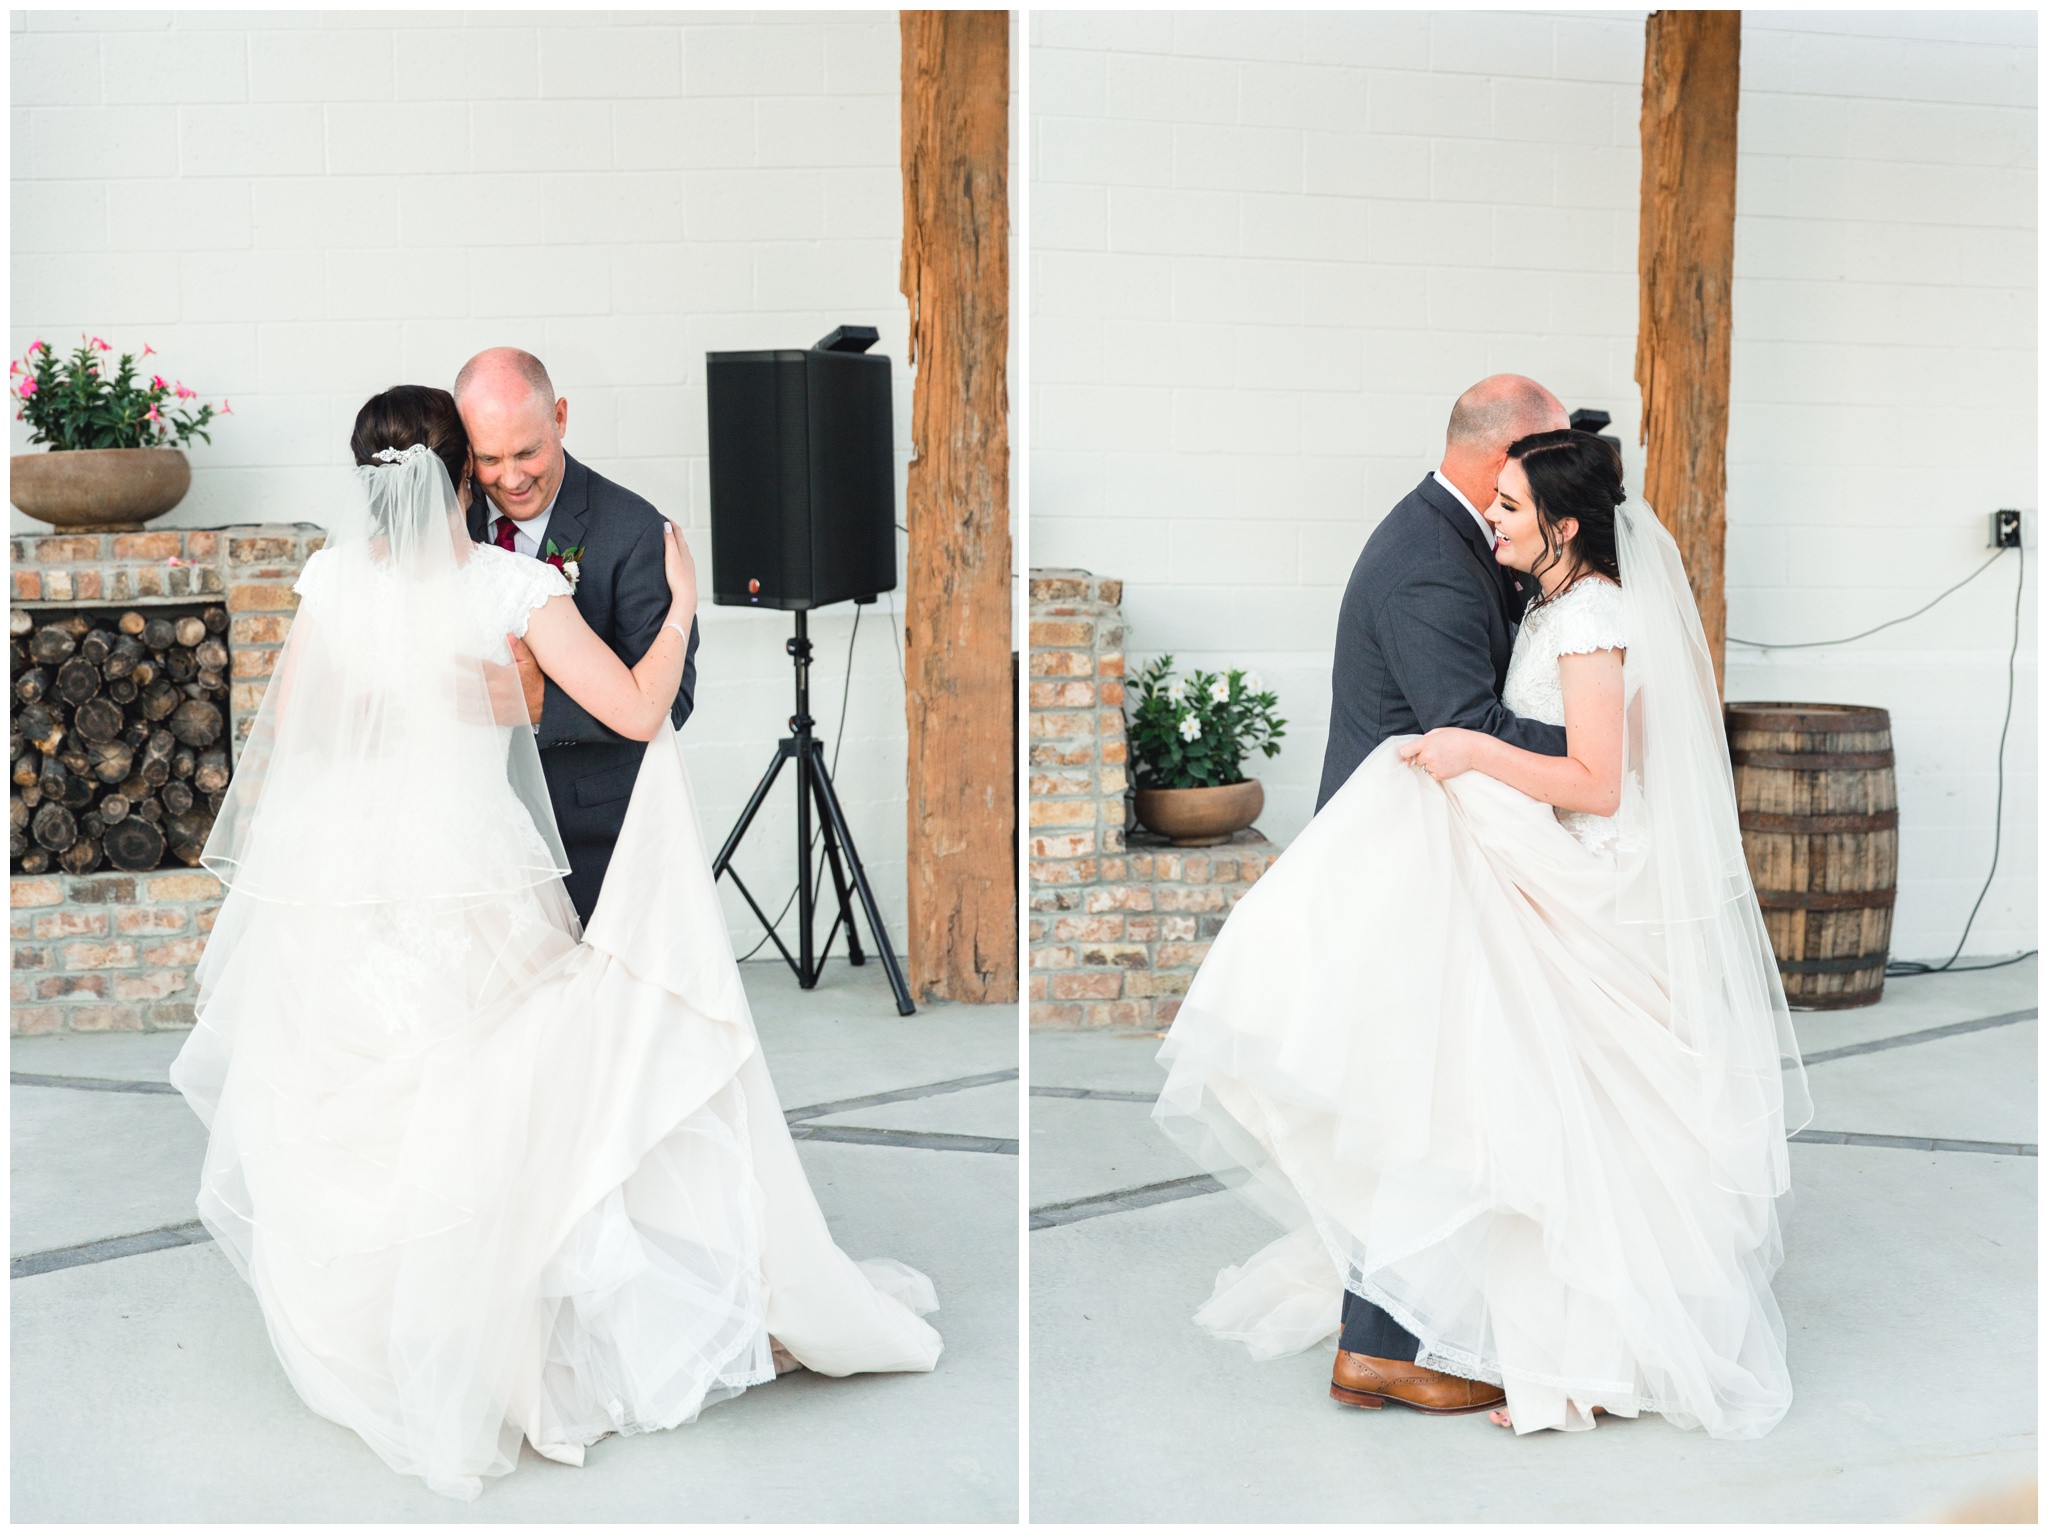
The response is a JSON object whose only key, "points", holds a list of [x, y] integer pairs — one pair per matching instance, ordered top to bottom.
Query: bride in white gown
{"points": [[1499, 1040], [489, 1182]]}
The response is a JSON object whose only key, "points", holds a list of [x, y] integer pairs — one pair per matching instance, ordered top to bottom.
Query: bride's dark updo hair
{"points": [[409, 414], [1574, 474]]}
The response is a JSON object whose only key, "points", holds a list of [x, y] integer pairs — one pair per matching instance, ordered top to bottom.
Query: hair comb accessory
{"points": [[404, 455]]}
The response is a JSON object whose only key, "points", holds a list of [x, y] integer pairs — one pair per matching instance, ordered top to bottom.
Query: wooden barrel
{"points": [[1819, 807]]}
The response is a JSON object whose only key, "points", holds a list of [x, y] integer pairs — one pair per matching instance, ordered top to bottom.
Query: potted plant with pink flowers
{"points": [[115, 456]]}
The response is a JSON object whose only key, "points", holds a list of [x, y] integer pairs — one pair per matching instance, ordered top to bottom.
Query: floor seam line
{"points": [[1923, 1036], [91, 1084], [900, 1095], [905, 1139], [1128, 1200], [192, 1233], [108, 1249]]}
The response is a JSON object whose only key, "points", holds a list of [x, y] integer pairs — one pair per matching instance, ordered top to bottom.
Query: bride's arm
{"points": [[634, 702], [1587, 778]]}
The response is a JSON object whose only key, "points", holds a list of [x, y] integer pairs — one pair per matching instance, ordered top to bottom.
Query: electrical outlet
{"points": [[2005, 529]]}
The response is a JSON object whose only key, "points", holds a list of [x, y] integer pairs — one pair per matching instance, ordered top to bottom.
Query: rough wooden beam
{"points": [[1686, 257], [959, 689]]}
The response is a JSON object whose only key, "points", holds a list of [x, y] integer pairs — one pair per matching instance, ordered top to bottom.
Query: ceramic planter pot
{"points": [[111, 489], [1200, 817]]}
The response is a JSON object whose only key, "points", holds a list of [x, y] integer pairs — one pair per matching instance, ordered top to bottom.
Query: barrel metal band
{"points": [[1838, 719], [1794, 761], [1819, 825], [1826, 900], [1847, 966]]}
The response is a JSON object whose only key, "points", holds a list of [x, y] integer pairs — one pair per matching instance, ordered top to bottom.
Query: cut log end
{"points": [[134, 845]]}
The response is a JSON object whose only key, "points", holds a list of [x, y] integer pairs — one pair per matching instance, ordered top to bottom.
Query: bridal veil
{"points": [[379, 730]]}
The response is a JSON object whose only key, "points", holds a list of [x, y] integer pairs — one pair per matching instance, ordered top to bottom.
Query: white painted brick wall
{"points": [[299, 209], [1272, 248], [1884, 404]]}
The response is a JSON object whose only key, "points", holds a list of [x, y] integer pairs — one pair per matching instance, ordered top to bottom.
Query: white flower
{"points": [[573, 570], [1253, 682], [1177, 690], [1219, 690], [1190, 728]]}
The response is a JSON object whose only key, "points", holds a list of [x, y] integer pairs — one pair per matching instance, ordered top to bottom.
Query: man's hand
{"points": [[532, 684], [515, 691]]}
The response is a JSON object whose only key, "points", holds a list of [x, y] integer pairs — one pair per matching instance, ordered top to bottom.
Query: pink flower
{"points": [[101, 345], [38, 346], [148, 350], [13, 368], [156, 381], [28, 387], [185, 393], [224, 408], [153, 416]]}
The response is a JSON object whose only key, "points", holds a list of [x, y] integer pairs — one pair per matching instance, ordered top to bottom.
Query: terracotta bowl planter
{"points": [[112, 489], [1200, 817]]}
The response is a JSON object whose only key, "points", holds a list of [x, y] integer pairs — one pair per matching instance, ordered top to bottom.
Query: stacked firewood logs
{"points": [[118, 739]]}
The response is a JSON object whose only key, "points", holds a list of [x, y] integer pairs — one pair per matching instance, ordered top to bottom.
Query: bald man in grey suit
{"points": [[537, 500], [1423, 639]]}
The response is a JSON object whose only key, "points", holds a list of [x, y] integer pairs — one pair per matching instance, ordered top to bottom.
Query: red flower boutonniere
{"points": [[568, 561]]}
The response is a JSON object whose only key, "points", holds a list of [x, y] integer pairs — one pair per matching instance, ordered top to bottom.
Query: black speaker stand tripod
{"points": [[814, 789]]}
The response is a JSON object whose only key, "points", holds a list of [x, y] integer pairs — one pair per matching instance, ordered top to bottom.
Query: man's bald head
{"points": [[505, 371], [1499, 410], [1489, 416]]}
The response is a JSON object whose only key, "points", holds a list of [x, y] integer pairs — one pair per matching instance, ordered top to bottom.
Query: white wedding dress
{"points": [[1512, 1074], [487, 1182]]}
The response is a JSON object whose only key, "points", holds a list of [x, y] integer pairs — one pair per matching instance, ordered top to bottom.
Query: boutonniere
{"points": [[568, 561]]}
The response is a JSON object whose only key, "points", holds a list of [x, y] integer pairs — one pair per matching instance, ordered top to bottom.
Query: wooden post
{"points": [[1686, 257], [959, 688]]}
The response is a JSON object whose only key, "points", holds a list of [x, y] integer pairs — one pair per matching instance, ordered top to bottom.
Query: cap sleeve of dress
{"points": [[313, 577], [538, 582], [1588, 618]]}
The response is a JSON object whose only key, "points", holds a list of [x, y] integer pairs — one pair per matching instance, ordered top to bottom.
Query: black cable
{"points": [[896, 641], [1822, 644], [846, 684], [838, 739], [1912, 967], [1906, 969]]}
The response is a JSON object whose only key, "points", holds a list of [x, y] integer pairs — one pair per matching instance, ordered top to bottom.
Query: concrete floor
{"points": [[1908, 1291], [144, 1388]]}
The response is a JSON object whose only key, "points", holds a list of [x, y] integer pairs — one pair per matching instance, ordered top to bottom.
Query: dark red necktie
{"points": [[505, 531]]}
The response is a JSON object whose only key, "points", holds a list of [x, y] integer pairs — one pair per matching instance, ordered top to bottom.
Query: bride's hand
{"points": [[680, 567], [1444, 753]]}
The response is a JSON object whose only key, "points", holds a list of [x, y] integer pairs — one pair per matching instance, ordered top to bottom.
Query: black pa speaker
{"points": [[803, 478]]}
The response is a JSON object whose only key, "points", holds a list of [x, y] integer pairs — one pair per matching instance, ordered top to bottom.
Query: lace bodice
{"points": [[506, 588], [499, 592], [1586, 618]]}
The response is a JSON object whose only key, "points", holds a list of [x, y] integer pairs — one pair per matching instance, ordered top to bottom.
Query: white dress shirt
{"points": [[1485, 526], [528, 537]]}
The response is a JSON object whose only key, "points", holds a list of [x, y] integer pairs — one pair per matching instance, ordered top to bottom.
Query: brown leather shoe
{"points": [[1372, 1382]]}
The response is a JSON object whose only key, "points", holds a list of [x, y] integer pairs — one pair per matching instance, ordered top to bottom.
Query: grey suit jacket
{"points": [[621, 590], [1423, 637]]}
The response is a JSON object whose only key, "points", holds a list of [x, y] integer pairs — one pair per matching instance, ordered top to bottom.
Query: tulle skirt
{"points": [[1426, 1044], [490, 1183]]}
